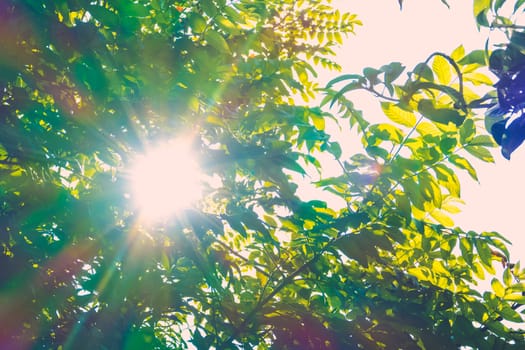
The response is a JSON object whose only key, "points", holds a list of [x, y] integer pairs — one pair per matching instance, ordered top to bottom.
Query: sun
{"points": [[165, 180]]}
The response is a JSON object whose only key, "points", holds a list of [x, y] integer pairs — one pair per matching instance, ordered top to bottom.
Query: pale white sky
{"points": [[409, 36]]}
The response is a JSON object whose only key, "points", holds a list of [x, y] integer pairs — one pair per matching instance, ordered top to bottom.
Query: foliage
{"points": [[86, 86], [505, 120]]}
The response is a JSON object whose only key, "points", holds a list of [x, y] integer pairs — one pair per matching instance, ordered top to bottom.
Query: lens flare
{"points": [[165, 180]]}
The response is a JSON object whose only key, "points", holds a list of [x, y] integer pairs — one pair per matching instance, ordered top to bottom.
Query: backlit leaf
{"points": [[480, 5], [442, 69], [398, 115], [462, 163], [442, 218], [497, 287]]}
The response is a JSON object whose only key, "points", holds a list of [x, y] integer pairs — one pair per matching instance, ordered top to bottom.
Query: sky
{"points": [[409, 36]]}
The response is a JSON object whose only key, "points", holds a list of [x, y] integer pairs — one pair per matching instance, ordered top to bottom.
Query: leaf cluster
{"points": [[86, 86]]}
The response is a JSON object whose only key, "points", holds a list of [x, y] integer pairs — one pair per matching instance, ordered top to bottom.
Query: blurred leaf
{"points": [[197, 22], [217, 41]]}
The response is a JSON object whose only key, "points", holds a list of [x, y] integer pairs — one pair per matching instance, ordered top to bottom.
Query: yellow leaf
{"points": [[458, 53], [442, 69], [398, 115], [318, 121], [441, 218], [498, 288]]}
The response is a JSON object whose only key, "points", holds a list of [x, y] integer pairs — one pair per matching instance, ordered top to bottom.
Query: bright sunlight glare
{"points": [[165, 180]]}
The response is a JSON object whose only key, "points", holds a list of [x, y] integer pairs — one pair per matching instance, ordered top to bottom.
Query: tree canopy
{"points": [[88, 87]]}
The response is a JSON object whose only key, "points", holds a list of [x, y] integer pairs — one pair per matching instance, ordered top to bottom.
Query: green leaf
{"points": [[497, 4], [518, 4], [209, 7], [233, 15], [104, 16], [482, 19], [197, 22], [227, 25], [217, 41], [474, 57], [392, 71], [424, 71], [372, 75], [343, 78], [349, 87], [453, 93], [398, 115], [439, 115], [467, 131], [387, 132], [483, 140], [448, 145], [335, 149], [375, 152], [480, 152], [289, 163], [462, 163], [408, 166], [448, 179], [411, 188], [429, 188], [403, 203], [352, 246], [466, 248], [484, 252], [165, 260], [477, 268], [507, 277], [517, 288], [517, 298], [510, 315]]}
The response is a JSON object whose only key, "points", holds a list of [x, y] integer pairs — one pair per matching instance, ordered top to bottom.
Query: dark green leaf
{"points": [[518, 4], [197, 22], [474, 57], [392, 71], [424, 71], [372, 75], [343, 78], [440, 115], [467, 131]]}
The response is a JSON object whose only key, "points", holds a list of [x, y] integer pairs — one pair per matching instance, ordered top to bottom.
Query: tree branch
{"points": [[284, 282]]}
